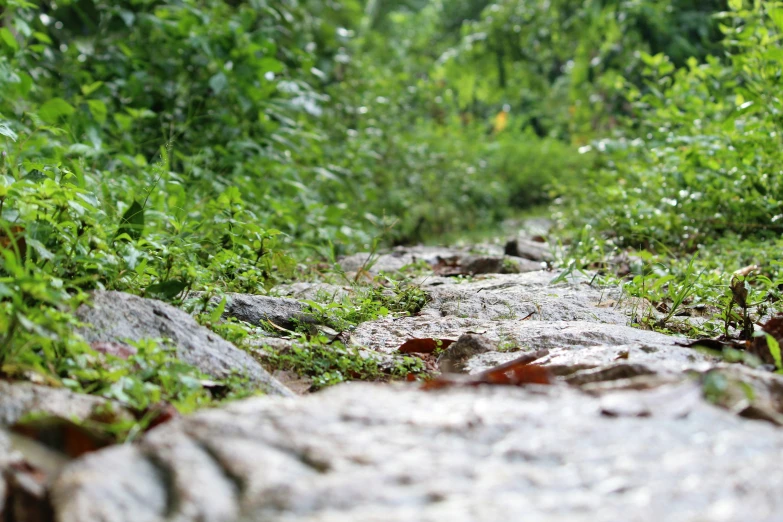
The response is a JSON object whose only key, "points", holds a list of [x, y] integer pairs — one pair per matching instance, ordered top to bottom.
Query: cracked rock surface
{"points": [[633, 426], [394, 453]]}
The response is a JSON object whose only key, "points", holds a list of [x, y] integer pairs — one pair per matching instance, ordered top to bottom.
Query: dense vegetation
{"points": [[158, 146]]}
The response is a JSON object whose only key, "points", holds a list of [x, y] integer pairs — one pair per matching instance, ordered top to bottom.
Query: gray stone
{"points": [[537, 226], [528, 249], [401, 257], [375, 264], [498, 265], [318, 292], [532, 296], [256, 309], [120, 317], [569, 342], [453, 359], [18, 399], [393, 453], [6, 458], [125, 485]]}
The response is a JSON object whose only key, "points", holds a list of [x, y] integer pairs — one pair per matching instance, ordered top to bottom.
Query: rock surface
{"points": [[528, 249], [402, 257], [319, 292], [536, 296], [256, 309], [119, 317], [18, 399], [634, 426], [393, 453]]}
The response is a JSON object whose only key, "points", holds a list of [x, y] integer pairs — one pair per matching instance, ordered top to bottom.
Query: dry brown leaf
{"points": [[16, 237], [424, 345], [759, 347], [518, 372], [63, 435]]}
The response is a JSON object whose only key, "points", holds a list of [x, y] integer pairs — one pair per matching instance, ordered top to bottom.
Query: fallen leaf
{"points": [[13, 236], [448, 267], [739, 289], [424, 345], [760, 346], [518, 372], [63, 435]]}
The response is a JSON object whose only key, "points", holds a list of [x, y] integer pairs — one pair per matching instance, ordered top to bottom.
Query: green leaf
{"points": [[42, 37], [8, 39], [269, 64], [218, 83], [91, 88], [54, 109], [98, 110], [124, 121], [6, 131], [35, 175], [132, 222], [40, 249], [167, 289], [217, 313], [774, 349]]}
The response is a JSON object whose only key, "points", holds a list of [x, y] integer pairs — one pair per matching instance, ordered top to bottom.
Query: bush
{"points": [[707, 158]]}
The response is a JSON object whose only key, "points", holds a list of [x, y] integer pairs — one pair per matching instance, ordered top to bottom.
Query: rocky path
{"points": [[632, 426]]}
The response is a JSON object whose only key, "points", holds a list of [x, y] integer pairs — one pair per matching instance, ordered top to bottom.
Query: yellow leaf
{"points": [[501, 120]]}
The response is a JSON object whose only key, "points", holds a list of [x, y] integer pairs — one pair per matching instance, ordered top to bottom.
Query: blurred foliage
{"points": [[162, 146]]}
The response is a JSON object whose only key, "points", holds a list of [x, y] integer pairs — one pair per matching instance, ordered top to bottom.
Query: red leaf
{"points": [[425, 345], [514, 373], [521, 373]]}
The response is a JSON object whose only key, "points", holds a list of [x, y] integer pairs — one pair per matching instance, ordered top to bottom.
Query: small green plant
{"points": [[367, 304], [508, 346], [326, 364], [152, 374]]}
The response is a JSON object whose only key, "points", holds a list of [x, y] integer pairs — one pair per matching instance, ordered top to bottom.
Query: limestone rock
{"points": [[528, 249], [401, 257], [498, 265], [319, 292], [532, 296], [255, 309], [118, 317], [453, 359], [18, 399], [393, 453], [125, 485]]}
